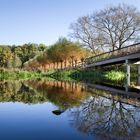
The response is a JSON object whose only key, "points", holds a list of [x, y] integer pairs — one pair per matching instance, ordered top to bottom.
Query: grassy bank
{"points": [[6, 74], [89, 75]]}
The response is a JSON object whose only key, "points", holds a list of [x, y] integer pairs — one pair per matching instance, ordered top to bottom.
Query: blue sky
{"points": [[44, 21]]}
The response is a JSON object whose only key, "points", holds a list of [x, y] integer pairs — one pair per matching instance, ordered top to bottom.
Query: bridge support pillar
{"points": [[127, 73], [139, 75]]}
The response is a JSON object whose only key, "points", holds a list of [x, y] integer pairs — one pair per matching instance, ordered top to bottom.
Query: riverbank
{"points": [[17, 74], [79, 75], [84, 75], [101, 76]]}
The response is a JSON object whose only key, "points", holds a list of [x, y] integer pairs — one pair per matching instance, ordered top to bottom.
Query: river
{"points": [[57, 110]]}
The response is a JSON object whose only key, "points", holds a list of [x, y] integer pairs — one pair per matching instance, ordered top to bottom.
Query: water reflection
{"points": [[15, 91], [65, 95], [92, 110], [103, 114], [107, 118]]}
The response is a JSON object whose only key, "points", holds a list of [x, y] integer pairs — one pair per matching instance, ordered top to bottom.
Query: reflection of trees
{"points": [[8, 89], [16, 91], [63, 94], [109, 119]]}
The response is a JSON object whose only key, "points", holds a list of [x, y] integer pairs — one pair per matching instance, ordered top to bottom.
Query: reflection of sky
{"points": [[26, 122]]}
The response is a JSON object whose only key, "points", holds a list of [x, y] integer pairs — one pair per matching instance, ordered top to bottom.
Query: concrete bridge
{"points": [[127, 55]]}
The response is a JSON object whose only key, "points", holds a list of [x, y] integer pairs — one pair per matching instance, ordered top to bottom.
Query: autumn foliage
{"points": [[62, 54]]}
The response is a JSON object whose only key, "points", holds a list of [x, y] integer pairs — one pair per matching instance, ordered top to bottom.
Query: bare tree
{"points": [[111, 28], [84, 32]]}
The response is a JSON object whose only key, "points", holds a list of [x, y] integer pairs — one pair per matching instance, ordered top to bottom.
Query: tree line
{"points": [[62, 54], [16, 56]]}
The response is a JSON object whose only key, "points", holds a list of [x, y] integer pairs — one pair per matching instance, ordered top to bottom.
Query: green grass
{"points": [[19, 74], [61, 75], [89, 75], [114, 75]]}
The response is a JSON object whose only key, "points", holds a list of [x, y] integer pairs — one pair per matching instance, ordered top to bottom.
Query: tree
{"points": [[109, 29], [84, 32], [42, 47], [64, 51], [26, 52], [58, 55], [5, 56], [16, 56], [16, 63]]}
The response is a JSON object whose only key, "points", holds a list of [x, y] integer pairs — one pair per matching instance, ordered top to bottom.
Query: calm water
{"points": [[54, 110]]}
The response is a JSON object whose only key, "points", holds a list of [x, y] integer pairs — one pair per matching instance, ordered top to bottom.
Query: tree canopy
{"points": [[108, 29], [63, 53], [16, 56]]}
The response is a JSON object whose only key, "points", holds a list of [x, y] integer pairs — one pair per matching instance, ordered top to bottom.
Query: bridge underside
{"points": [[127, 60]]}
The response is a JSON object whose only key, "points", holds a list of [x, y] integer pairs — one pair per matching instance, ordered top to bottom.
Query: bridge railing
{"points": [[131, 49]]}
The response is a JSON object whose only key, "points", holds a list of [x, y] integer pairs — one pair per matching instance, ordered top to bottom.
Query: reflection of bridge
{"points": [[126, 55], [119, 94], [130, 97]]}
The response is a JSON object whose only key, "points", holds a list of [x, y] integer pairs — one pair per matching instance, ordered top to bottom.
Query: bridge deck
{"points": [[131, 52], [132, 57]]}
